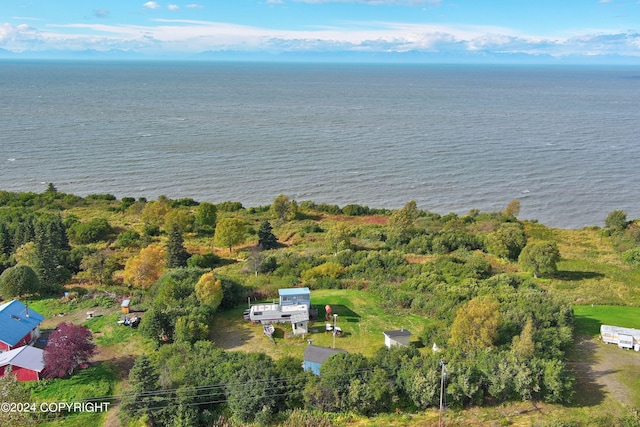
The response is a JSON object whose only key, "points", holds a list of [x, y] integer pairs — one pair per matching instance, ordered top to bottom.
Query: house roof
{"points": [[294, 291], [299, 317], [16, 322], [399, 333], [317, 354], [25, 357]]}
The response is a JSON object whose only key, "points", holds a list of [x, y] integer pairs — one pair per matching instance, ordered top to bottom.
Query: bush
{"points": [[106, 197], [229, 206], [355, 210], [151, 230], [90, 232], [128, 239], [208, 260], [269, 265], [329, 269]]}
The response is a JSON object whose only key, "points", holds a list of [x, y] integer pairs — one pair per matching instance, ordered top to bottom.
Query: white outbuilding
{"points": [[398, 337], [622, 337]]}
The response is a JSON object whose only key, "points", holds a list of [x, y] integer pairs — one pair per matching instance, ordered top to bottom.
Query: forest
{"points": [[489, 300]]}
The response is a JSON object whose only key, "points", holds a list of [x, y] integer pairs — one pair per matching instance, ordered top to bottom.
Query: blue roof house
{"points": [[295, 296], [19, 325]]}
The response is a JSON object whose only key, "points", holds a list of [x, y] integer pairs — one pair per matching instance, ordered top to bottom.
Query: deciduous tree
{"points": [[283, 208], [513, 208], [154, 212], [206, 216], [180, 219], [616, 221], [400, 225], [229, 232], [339, 237], [507, 241], [540, 258], [100, 266], [145, 268], [19, 280], [209, 290], [476, 325], [67, 348], [11, 391]]}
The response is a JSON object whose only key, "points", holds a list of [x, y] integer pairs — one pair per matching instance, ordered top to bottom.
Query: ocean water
{"points": [[563, 140]]}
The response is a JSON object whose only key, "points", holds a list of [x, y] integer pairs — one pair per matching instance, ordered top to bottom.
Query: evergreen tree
{"points": [[24, 232], [266, 239], [5, 240], [50, 247], [177, 255], [143, 381]]}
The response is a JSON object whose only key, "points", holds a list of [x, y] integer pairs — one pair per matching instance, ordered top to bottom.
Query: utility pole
{"points": [[335, 319], [442, 381]]}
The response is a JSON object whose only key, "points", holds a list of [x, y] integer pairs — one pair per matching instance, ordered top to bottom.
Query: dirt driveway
{"points": [[604, 371]]}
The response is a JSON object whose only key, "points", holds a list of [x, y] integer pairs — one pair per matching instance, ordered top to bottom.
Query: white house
{"points": [[293, 308], [399, 337], [622, 337]]}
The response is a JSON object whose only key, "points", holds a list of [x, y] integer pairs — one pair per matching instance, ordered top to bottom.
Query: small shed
{"points": [[125, 306], [399, 337], [314, 356], [25, 363]]}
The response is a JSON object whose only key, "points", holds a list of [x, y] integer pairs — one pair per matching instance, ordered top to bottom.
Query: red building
{"points": [[19, 325], [26, 363]]}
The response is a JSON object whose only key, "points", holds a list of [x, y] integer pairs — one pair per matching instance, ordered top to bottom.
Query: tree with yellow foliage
{"points": [[143, 270], [209, 290], [476, 325]]}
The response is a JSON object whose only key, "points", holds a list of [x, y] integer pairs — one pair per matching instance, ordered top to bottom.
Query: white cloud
{"points": [[151, 5], [194, 6], [173, 7], [191, 36]]}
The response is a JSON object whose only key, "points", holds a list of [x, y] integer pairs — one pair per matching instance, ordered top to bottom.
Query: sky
{"points": [[557, 28]]}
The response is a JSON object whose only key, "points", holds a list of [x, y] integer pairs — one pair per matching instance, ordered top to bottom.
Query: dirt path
{"points": [[600, 370]]}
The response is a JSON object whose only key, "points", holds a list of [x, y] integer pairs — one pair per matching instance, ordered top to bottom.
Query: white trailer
{"points": [[622, 337]]}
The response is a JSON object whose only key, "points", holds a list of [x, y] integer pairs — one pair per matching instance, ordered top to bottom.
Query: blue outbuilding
{"points": [[314, 356]]}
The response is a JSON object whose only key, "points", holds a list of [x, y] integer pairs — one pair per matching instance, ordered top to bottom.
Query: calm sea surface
{"points": [[563, 140]]}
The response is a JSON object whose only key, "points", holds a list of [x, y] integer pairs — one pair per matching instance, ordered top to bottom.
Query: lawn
{"points": [[360, 316], [589, 318], [88, 384]]}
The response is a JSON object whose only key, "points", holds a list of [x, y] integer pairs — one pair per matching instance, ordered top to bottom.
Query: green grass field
{"points": [[589, 318], [94, 382]]}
